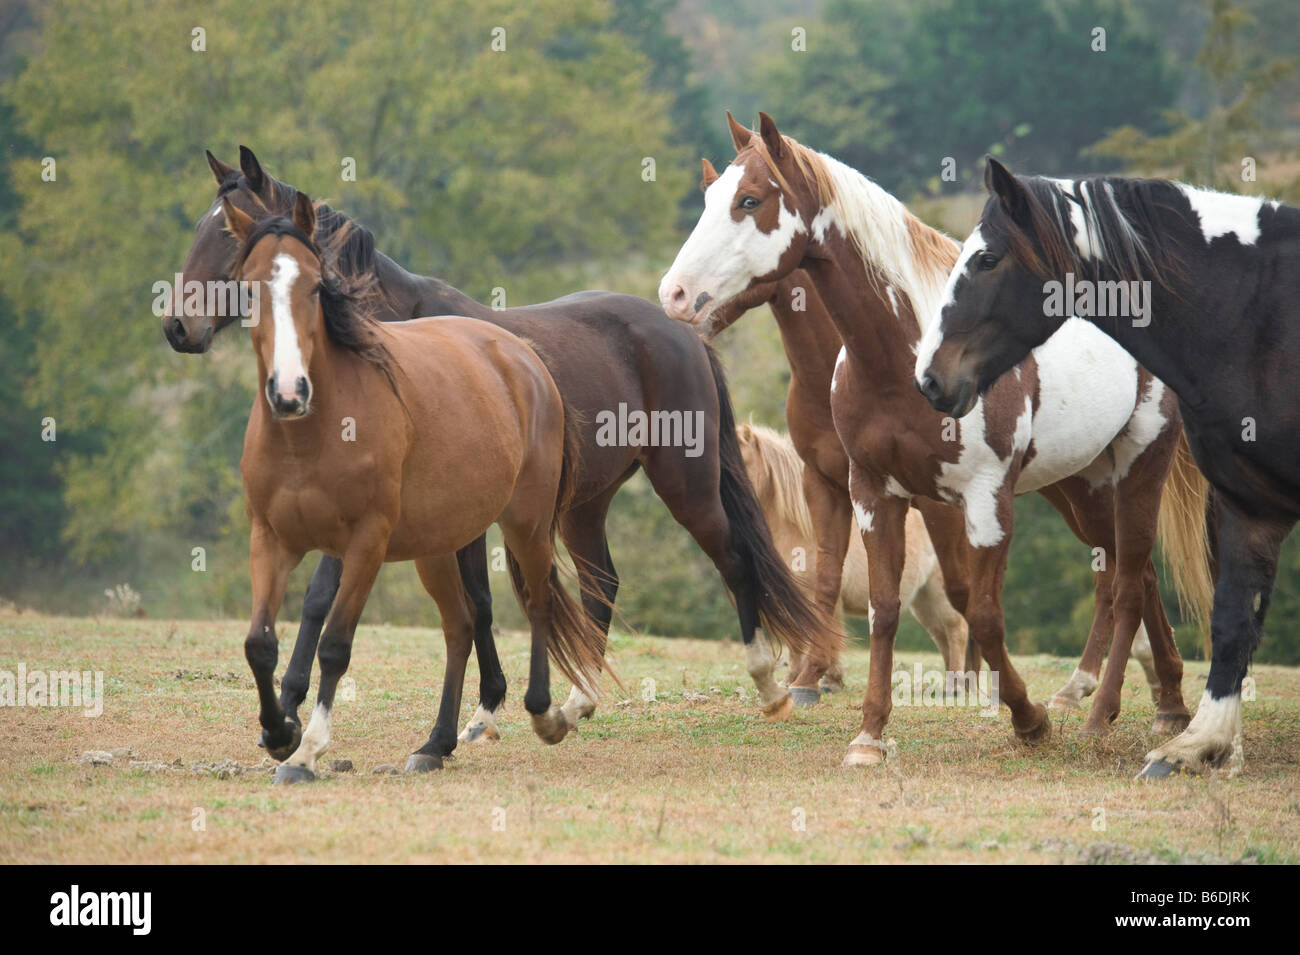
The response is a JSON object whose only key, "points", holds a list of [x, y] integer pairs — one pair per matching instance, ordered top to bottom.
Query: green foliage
{"points": [[895, 87], [1235, 129]]}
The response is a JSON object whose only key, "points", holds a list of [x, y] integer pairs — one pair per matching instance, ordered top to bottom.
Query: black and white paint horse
{"points": [[1218, 279]]}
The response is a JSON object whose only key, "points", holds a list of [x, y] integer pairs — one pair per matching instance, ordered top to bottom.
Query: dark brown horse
{"points": [[603, 350], [1076, 414], [380, 443]]}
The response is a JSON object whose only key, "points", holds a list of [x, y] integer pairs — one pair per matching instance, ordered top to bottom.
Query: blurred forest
{"points": [[523, 169]]}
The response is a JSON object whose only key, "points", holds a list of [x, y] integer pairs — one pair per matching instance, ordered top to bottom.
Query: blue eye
{"points": [[749, 203]]}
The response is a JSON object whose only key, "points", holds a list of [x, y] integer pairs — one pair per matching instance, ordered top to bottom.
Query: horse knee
{"points": [[261, 649], [334, 656]]}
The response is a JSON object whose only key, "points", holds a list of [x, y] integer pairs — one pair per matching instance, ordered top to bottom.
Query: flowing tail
{"points": [[1185, 539], [784, 610], [577, 644]]}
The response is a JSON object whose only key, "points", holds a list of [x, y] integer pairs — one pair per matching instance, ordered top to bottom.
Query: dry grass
{"points": [[669, 781]]}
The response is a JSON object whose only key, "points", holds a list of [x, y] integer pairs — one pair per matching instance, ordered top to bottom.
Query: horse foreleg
{"points": [[882, 518], [361, 564], [270, 565]]}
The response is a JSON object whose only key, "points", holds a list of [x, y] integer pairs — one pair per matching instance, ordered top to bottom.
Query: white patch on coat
{"points": [[1222, 213], [721, 257], [286, 360], [1087, 394], [976, 478], [865, 517], [315, 739]]}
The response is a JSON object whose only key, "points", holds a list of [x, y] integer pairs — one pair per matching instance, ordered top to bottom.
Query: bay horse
{"points": [[1220, 324], [812, 346], [602, 349], [1089, 421], [403, 442], [776, 471]]}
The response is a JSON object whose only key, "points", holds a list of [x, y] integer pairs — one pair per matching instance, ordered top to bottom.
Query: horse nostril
{"points": [[175, 330], [928, 386], [302, 388]]}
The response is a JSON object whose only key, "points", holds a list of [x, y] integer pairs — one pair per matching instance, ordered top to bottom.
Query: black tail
{"points": [[784, 611]]}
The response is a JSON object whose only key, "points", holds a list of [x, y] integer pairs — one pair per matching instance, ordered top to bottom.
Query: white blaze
{"points": [[286, 360]]}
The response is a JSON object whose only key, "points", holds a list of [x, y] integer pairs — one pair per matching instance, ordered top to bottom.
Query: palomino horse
{"points": [[1216, 281], [812, 346], [604, 351], [1079, 414], [404, 442], [776, 471]]}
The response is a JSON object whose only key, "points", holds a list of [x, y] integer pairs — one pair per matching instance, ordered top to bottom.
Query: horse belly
{"points": [[1087, 394]]}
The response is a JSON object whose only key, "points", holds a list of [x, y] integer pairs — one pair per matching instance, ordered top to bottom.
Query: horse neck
{"points": [[412, 296], [873, 334], [810, 339]]}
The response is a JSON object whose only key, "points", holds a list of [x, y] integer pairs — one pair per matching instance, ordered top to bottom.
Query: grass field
{"points": [[696, 776]]}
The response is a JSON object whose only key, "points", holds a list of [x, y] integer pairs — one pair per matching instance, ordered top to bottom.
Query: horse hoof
{"points": [[805, 695], [1059, 702], [780, 711], [1170, 723], [551, 726], [1094, 729], [1039, 731], [477, 732], [283, 751], [859, 755], [422, 763], [1163, 768], [286, 775]]}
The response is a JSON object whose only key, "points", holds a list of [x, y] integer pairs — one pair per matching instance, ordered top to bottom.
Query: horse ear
{"points": [[740, 136], [772, 137], [219, 169], [252, 170], [710, 174], [1002, 182], [304, 214], [238, 222], [745, 433]]}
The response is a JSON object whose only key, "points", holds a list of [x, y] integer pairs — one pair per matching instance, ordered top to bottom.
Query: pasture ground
{"points": [[696, 776]]}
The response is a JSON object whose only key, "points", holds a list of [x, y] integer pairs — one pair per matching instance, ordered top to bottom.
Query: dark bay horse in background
{"points": [[1221, 279], [602, 349], [1080, 415], [456, 424]]}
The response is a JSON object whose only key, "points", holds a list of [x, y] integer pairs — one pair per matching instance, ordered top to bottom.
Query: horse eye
{"points": [[749, 203], [987, 261]]}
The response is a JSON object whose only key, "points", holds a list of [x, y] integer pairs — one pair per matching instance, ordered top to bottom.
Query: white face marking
{"points": [[1222, 213], [722, 256], [932, 338], [286, 360]]}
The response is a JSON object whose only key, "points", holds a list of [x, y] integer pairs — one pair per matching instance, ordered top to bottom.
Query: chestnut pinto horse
{"points": [[1221, 325], [812, 346], [602, 349], [1089, 421], [457, 425], [777, 473]]}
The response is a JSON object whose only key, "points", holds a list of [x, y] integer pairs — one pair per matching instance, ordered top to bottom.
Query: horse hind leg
{"points": [[583, 532], [473, 566]]}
